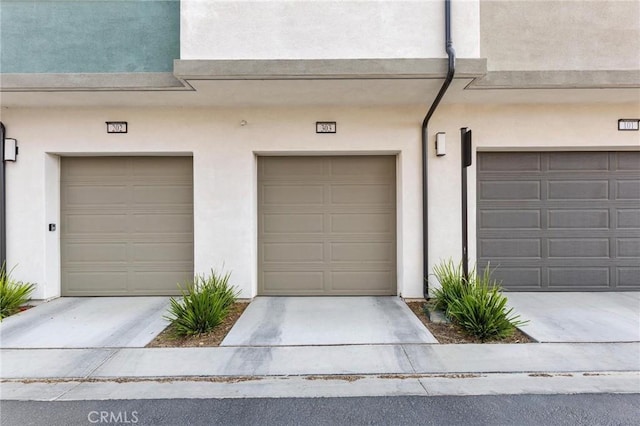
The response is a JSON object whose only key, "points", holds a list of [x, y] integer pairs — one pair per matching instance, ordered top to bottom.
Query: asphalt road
{"points": [[586, 409]]}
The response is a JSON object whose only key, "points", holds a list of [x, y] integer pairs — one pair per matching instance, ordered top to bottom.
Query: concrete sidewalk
{"points": [[317, 360], [317, 371]]}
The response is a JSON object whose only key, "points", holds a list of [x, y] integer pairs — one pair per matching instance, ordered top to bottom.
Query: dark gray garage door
{"points": [[560, 221], [127, 225], [327, 225]]}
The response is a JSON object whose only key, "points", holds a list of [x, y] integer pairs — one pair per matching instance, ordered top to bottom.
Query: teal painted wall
{"points": [[89, 36]]}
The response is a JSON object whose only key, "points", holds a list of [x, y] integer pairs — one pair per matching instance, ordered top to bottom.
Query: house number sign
{"points": [[325, 126], [116, 127]]}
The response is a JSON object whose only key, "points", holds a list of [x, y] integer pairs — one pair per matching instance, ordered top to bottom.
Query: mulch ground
{"points": [[453, 333], [169, 339]]}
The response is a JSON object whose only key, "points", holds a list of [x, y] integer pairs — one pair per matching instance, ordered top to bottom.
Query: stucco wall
{"points": [[321, 29], [560, 34], [89, 36], [225, 169]]}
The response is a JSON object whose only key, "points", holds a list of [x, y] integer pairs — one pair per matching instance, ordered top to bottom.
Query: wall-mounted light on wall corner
{"points": [[441, 146], [10, 150]]}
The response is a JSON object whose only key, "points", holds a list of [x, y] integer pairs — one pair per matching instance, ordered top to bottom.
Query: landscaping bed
{"points": [[447, 333], [169, 339]]}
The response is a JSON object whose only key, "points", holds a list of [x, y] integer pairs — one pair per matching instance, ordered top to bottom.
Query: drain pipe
{"points": [[451, 53], [3, 202]]}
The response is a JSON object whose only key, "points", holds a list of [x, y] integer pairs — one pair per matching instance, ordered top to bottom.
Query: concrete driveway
{"points": [[579, 317], [288, 321], [86, 322]]}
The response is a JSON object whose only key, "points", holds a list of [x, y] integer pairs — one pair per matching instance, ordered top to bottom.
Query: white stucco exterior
{"points": [[312, 29], [224, 154]]}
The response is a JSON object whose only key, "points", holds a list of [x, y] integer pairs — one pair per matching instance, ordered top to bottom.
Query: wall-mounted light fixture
{"points": [[441, 146], [10, 150]]}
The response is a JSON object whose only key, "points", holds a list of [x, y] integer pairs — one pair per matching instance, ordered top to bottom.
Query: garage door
{"points": [[560, 221], [126, 225], [327, 225]]}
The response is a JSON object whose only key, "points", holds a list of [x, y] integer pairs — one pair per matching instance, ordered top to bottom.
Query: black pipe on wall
{"points": [[451, 69], [3, 201]]}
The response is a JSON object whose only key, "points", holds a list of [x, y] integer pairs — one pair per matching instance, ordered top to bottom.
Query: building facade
{"points": [[281, 141]]}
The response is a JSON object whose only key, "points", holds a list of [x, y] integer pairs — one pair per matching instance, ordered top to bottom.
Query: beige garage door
{"points": [[126, 225], [327, 225]]}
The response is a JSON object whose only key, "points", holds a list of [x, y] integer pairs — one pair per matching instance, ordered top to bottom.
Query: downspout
{"points": [[451, 53], [3, 202]]}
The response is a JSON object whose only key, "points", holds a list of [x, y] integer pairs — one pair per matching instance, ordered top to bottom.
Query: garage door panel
{"points": [[495, 161], [573, 161], [628, 161], [292, 167], [93, 168], [163, 168], [366, 168], [628, 189], [517, 190], [578, 190], [162, 194], [363, 194], [94, 195], [283, 195], [629, 218], [337, 219], [510, 219], [584, 219], [153, 223], [277, 223], [362, 223], [82, 224], [135, 237], [579, 247], [628, 247], [511, 248], [92, 252], [161, 252], [293, 252], [361, 252], [594, 277], [629, 277], [521, 278], [364, 281], [96, 282], [159, 282], [292, 282]]}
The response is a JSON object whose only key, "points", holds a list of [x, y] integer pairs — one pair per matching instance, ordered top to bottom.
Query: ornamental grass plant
{"points": [[13, 293], [204, 304], [477, 305]]}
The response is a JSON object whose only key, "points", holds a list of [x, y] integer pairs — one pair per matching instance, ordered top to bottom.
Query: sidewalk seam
{"points": [[414, 369], [88, 375]]}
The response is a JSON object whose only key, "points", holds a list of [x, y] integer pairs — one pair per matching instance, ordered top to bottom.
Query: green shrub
{"points": [[452, 285], [13, 294], [204, 304], [481, 310]]}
